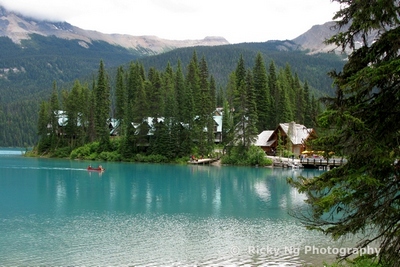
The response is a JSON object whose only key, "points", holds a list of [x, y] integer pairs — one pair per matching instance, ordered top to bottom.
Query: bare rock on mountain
{"points": [[18, 27], [313, 40]]}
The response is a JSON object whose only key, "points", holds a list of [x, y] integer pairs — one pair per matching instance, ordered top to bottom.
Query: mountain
{"points": [[18, 27], [313, 39], [34, 53], [222, 61]]}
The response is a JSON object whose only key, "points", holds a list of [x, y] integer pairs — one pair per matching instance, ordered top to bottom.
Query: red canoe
{"points": [[98, 169]]}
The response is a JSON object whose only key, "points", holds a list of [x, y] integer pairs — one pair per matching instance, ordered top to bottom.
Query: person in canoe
{"points": [[99, 169]]}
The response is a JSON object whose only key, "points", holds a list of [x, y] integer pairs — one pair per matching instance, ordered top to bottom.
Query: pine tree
{"points": [[290, 87], [231, 89], [240, 90], [274, 92], [155, 94], [213, 94], [120, 95], [184, 97], [220, 97], [263, 102], [285, 104], [73, 105], [307, 106], [284, 108], [299, 108], [102, 109], [54, 110], [141, 112], [185, 112], [251, 112], [239, 117], [43, 119], [205, 120], [131, 121], [43, 122], [361, 122], [211, 123], [196, 124], [227, 125], [91, 131], [171, 143]]}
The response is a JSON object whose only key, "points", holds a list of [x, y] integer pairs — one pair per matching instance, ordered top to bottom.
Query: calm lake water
{"points": [[56, 213]]}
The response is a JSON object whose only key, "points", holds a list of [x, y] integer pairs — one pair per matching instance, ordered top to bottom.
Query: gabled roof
{"points": [[218, 111], [62, 118], [218, 121], [114, 122], [150, 123], [114, 125], [297, 133], [262, 138]]}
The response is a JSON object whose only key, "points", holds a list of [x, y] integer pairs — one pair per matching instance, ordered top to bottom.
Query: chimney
{"points": [[291, 131]]}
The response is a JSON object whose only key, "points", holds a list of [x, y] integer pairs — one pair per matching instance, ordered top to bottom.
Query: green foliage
{"points": [[47, 59], [102, 109], [163, 114], [88, 151], [63, 152], [285, 153], [109, 156], [256, 156], [251, 157], [151, 158], [361, 198], [362, 261]]}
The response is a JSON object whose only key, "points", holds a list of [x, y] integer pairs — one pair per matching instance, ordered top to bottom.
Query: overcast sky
{"points": [[237, 21]]}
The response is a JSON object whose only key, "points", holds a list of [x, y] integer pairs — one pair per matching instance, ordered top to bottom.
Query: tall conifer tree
{"points": [[274, 92], [155, 94], [120, 95], [262, 95], [300, 104], [307, 106], [102, 108], [54, 110], [185, 112], [251, 112], [239, 117], [43, 119], [361, 197]]}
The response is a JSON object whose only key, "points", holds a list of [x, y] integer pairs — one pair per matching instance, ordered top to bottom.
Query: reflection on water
{"points": [[12, 152], [54, 212]]}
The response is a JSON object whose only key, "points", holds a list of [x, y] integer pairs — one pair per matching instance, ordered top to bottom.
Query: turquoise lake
{"points": [[56, 213]]}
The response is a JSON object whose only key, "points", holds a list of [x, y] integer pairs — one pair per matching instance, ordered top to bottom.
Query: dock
{"points": [[203, 161], [281, 162], [309, 163], [322, 163]]}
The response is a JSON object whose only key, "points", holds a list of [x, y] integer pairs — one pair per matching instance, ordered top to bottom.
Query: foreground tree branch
{"points": [[362, 123]]}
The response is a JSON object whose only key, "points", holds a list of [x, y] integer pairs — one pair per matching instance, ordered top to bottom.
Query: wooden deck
{"points": [[203, 161], [312, 163], [317, 163]]}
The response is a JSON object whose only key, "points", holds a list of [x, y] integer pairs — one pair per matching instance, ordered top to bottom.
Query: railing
{"points": [[323, 162]]}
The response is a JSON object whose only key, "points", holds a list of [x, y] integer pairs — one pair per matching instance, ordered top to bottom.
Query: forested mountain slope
{"points": [[223, 59], [30, 68]]}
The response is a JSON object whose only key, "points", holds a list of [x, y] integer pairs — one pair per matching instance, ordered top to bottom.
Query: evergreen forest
{"points": [[27, 72], [168, 114]]}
